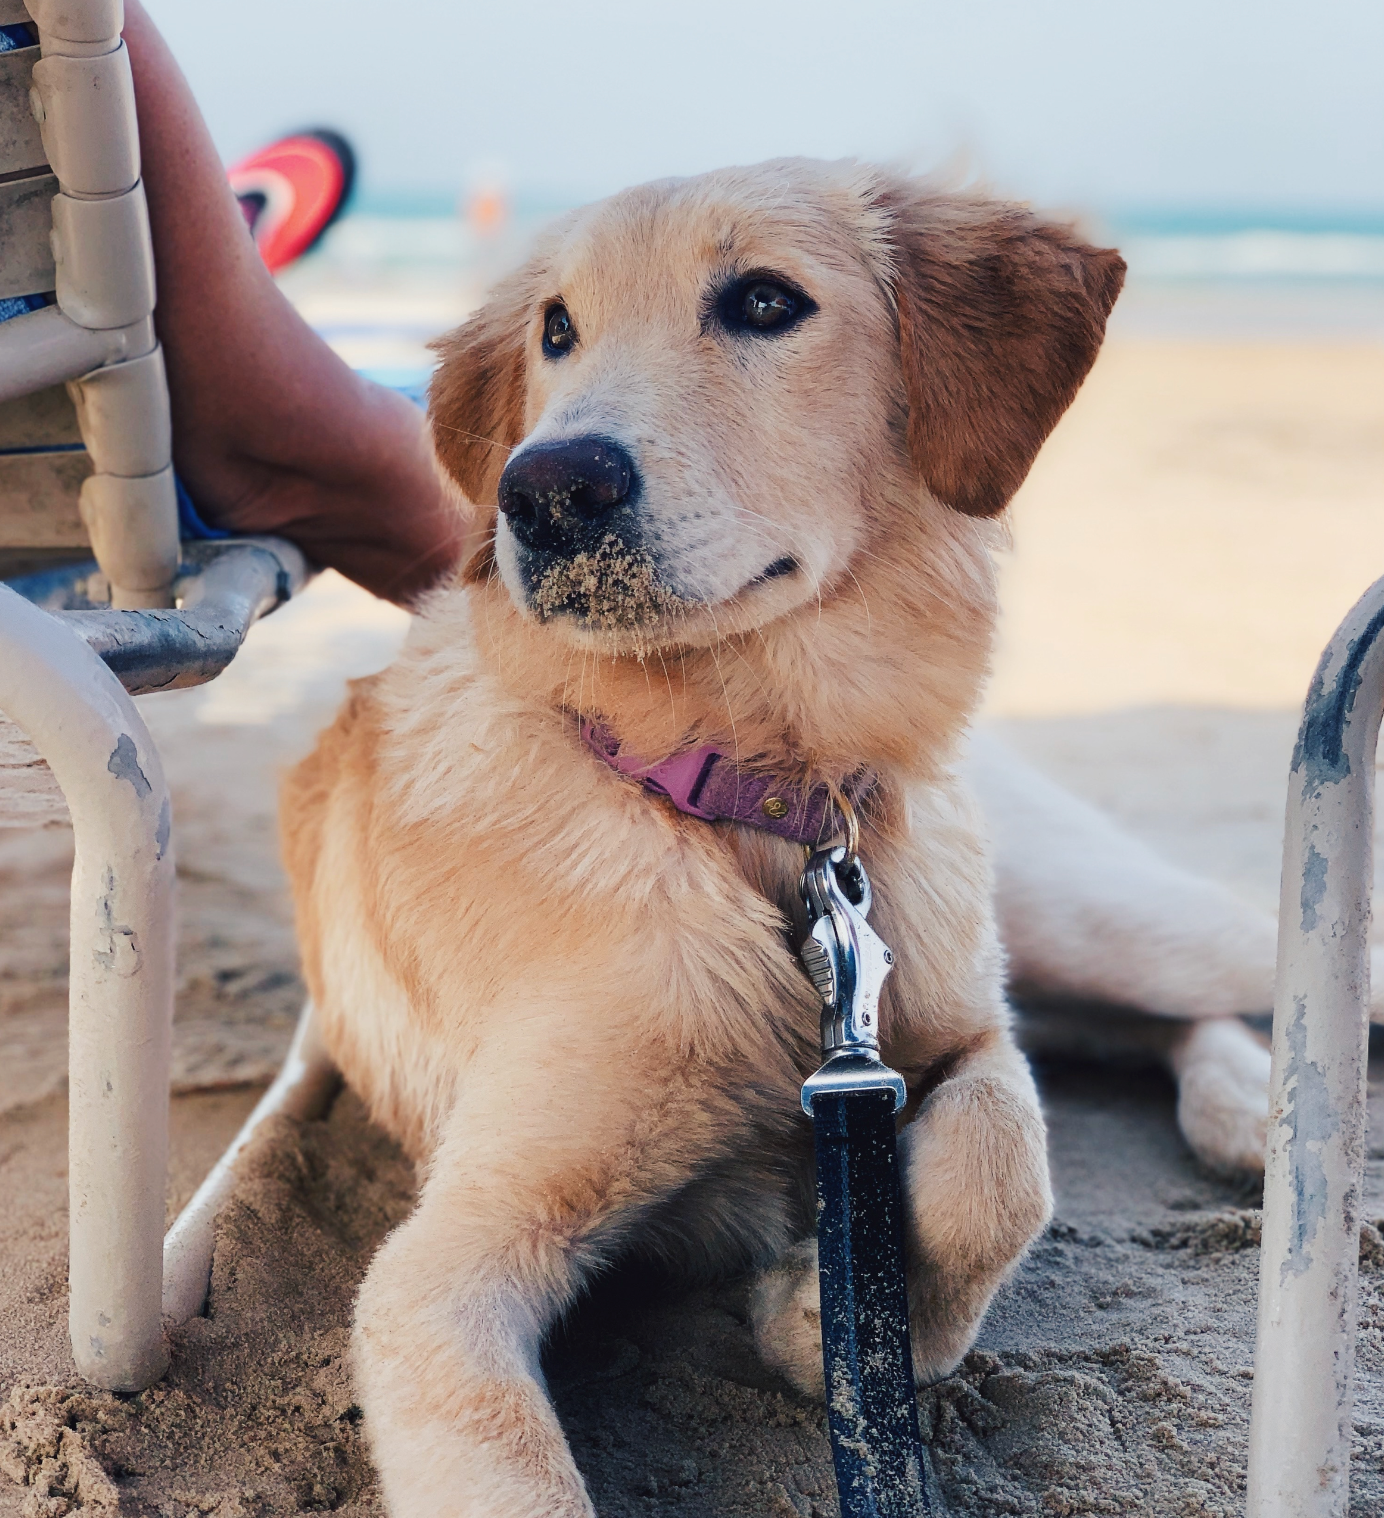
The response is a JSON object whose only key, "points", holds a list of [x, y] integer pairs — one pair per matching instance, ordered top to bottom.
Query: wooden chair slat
{"points": [[21, 147], [26, 222], [45, 419], [38, 499]]}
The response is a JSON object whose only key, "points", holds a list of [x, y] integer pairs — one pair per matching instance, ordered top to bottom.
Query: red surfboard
{"points": [[291, 191]]}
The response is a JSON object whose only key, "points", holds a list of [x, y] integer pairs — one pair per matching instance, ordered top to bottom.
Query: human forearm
{"points": [[272, 431]]}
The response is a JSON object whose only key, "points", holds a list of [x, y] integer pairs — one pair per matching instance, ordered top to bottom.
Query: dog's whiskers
{"points": [[490, 442], [864, 601], [667, 680], [725, 690]]}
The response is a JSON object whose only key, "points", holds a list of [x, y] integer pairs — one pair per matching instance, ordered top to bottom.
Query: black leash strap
{"points": [[872, 1409], [882, 1468]]}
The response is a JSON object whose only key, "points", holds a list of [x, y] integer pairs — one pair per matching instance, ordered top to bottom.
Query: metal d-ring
{"points": [[844, 805]]}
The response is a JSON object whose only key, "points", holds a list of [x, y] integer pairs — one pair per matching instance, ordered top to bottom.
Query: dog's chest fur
{"points": [[479, 893]]}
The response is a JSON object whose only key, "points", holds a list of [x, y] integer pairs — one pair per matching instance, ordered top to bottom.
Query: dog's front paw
{"points": [[1223, 1095], [786, 1310], [943, 1320]]}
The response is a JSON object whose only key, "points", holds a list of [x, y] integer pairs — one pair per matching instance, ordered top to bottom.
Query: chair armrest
{"points": [[223, 587]]}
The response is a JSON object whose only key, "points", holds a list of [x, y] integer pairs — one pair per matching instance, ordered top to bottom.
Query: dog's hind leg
{"points": [[1088, 912], [1220, 1065], [1222, 1073]]}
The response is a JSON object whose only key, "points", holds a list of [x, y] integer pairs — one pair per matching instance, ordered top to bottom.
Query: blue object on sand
{"points": [[21, 305], [190, 523]]}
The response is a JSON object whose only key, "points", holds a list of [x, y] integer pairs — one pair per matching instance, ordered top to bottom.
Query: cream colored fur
{"points": [[1093, 919], [580, 1010]]}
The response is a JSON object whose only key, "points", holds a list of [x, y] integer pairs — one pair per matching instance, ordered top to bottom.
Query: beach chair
{"points": [[103, 600]]}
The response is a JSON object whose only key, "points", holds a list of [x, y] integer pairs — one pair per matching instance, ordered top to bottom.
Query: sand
{"points": [[1199, 523], [1195, 527]]}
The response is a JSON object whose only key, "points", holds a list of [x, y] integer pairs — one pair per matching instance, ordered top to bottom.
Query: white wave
{"points": [[385, 240], [1256, 255]]}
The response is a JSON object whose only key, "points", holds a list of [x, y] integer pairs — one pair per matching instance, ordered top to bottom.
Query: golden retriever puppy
{"points": [[745, 433]]}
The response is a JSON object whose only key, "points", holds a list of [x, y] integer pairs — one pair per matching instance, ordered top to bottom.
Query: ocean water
{"points": [[1254, 246], [1252, 273], [395, 274]]}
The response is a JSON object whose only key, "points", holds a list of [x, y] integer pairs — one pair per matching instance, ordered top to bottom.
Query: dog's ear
{"points": [[1000, 317], [476, 399]]}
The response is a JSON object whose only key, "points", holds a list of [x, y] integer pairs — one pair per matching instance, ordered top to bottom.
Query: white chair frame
{"points": [[99, 336], [151, 614], [1301, 1420]]}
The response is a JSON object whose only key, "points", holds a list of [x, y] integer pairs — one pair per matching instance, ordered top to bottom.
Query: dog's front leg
{"points": [[975, 1182], [519, 1206], [446, 1360]]}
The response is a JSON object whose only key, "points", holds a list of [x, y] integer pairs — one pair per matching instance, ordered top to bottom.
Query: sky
{"points": [[1080, 103]]}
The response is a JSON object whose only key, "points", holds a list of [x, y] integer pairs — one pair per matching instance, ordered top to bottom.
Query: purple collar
{"points": [[707, 783]]}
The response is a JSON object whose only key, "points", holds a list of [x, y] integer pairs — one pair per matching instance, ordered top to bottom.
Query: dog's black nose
{"points": [[553, 493]]}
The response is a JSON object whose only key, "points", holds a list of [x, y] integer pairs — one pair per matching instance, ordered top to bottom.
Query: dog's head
{"points": [[701, 400]]}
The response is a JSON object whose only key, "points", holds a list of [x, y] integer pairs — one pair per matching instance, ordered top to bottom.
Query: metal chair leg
{"points": [[82, 722], [1301, 1423]]}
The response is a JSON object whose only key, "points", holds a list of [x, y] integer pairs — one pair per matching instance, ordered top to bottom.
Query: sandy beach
{"points": [[1195, 527], [1189, 538]]}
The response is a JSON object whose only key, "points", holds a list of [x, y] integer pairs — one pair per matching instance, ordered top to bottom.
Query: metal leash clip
{"points": [[847, 961]]}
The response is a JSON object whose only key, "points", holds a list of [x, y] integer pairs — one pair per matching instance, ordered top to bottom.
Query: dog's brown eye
{"points": [[761, 305], [767, 305], [558, 332]]}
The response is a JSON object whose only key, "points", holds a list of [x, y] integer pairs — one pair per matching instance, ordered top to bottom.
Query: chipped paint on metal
{"points": [[222, 588], [55, 686], [1320, 755], [124, 765], [164, 831], [1313, 886], [117, 944], [1308, 1117], [1300, 1426]]}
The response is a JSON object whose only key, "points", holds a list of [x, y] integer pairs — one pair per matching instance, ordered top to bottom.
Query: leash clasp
{"points": [[847, 961]]}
